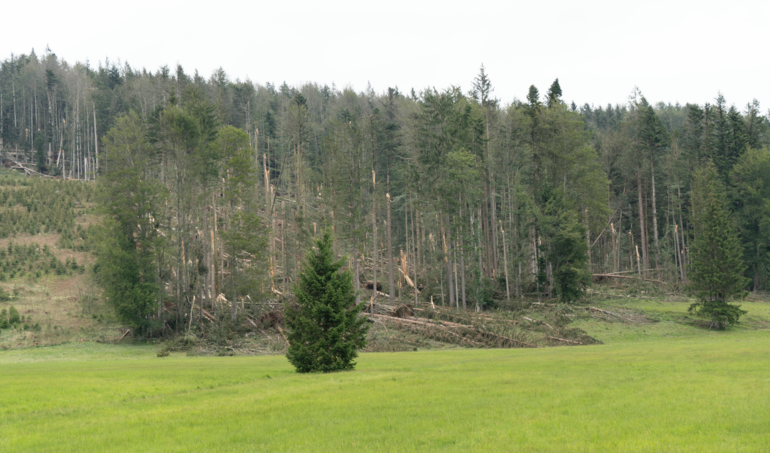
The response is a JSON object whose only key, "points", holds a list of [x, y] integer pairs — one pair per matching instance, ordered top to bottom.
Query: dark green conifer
{"points": [[554, 93], [717, 261], [325, 327]]}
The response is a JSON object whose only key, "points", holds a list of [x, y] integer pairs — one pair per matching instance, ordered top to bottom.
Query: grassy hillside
{"points": [[45, 261], [687, 393]]}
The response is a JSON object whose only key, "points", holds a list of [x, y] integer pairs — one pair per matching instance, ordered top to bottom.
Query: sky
{"points": [[674, 51]]}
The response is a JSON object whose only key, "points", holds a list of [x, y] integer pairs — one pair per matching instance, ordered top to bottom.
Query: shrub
{"points": [[13, 316]]}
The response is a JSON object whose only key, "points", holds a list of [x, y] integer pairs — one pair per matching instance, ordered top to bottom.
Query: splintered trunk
{"points": [[269, 219], [642, 234], [476, 238], [447, 241], [617, 241], [683, 244], [677, 250], [505, 263], [391, 287], [457, 289], [233, 303]]}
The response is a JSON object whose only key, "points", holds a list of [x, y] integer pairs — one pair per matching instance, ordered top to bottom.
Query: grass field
{"points": [[698, 392]]}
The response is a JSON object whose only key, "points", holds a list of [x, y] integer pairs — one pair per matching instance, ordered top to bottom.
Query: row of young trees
{"points": [[216, 186]]}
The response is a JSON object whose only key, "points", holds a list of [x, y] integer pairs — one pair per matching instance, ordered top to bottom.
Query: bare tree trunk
{"points": [[96, 143], [269, 218], [655, 218], [484, 223], [492, 224], [642, 233], [588, 237], [374, 238], [447, 239], [683, 245], [460, 246], [414, 250], [616, 250], [677, 250], [505, 263], [454, 265], [462, 273], [356, 278], [391, 287]]}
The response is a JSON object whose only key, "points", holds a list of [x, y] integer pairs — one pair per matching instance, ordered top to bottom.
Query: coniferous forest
{"points": [[212, 190]]}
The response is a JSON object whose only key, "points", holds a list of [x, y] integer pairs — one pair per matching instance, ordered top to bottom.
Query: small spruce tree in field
{"points": [[717, 264], [325, 329]]}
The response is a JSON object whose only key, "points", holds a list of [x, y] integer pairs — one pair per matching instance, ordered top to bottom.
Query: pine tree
{"points": [[554, 93], [717, 265], [325, 328]]}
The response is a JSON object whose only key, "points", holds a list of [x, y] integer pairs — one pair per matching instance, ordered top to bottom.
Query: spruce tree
{"points": [[554, 93], [717, 264], [325, 327]]}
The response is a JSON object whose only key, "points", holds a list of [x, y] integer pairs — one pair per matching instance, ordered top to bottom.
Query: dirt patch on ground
{"points": [[52, 241]]}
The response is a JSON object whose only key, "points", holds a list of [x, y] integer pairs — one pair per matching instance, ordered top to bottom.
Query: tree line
{"points": [[214, 188]]}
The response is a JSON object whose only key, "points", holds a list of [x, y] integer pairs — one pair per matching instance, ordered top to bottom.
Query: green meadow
{"points": [[692, 390]]}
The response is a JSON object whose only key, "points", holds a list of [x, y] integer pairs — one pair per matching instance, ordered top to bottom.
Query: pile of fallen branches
{"points": [[12, 164], [463, 328]]}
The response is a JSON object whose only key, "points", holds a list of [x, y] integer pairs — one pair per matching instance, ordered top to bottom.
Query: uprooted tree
{"points": [[325, 327]]}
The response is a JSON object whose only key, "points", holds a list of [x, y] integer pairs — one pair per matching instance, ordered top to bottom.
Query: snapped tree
{"points": [[717, 264], [325, 327]]}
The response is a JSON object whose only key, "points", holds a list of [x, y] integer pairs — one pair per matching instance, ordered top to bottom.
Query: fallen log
{"points": [[600, 276], [408, 280], [608, 313], [208, 315], [248, 318], [533, 321], [440, 323], [426, 327], [282, 334], [123, 336], [506, 339], [565, 340]]}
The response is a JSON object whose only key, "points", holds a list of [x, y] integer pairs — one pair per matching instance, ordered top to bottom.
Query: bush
{"points": [[13, 316]]}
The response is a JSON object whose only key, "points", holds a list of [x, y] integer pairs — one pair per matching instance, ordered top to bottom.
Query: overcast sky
{"points": [[674, 51]]}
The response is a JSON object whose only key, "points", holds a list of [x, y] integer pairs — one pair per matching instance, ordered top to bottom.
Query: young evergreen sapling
{"points": [[325, 329]]}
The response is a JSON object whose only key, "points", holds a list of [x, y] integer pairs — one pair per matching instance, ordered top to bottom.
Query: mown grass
{"points": [[667, 319], [685, 393]]}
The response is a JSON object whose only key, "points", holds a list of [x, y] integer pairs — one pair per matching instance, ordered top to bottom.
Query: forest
{"points": [[212, 189]]}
